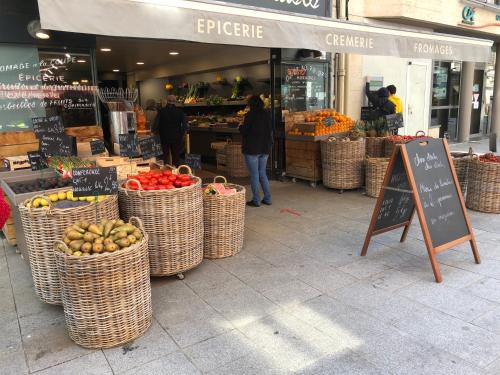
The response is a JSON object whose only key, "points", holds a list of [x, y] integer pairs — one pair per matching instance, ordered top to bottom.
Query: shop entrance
{"points": [[477, 102]]}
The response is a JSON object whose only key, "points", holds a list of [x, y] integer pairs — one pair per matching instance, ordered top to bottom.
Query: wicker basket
{"points": [[375, 147], [235, 161], [343, 164], [462, 164], [375, 173], [483, 188], [173, 220], [224, 220], [44, 226], [106, 297]]}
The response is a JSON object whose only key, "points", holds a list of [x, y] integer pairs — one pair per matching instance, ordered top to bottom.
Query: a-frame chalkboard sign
{"points": [[421, 177]]}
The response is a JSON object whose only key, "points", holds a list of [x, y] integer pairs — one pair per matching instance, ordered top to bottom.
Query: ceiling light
{"points": [[36, 31], [42, 34], [105, 49], [173, 53], [67, 55], [81, 61], [139, 63], [116, 70], [84, 81], [75, 83]]}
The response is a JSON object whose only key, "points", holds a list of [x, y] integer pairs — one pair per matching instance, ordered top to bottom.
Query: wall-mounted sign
{"points": [[310, 7], [468, 14]]}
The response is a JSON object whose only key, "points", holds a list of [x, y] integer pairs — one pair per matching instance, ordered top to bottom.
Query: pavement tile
{"points": [[364, 268], [391, 280], [486, 288], [291, 293], [448, 300], [490, 321], [447, 333], [154, 344], [219, 350], [13, 362], [175, 363], [347, 363], [91, 364], [252, 364]]}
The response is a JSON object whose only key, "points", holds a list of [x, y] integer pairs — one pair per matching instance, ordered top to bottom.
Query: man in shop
{"points": [[395, 99], [380, 100], [172, 126]]}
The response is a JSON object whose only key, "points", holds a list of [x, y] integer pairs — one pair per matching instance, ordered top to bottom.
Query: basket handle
{"points": [[418, 133], [190, 172], [222, 177], [138, 184], [39, 196], [138, 222], [58, 243]]}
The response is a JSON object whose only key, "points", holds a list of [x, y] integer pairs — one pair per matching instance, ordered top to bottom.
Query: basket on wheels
{"points": [[375, 147], [235, 161], [343, 163], [375, 173], [483, 188], [173, 220], [224, 221], [43, 226], [106, 297]]}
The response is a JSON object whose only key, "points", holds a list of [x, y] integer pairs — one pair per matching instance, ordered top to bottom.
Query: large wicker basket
{"points": [[375, 147], [235, 161], [343, 163], [375, 173], [483, 188], [173, 220], [224, 220], [43, 226], [106, 297]]}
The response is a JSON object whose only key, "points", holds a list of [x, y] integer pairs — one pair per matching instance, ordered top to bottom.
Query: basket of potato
{"points": [[105, 286]]}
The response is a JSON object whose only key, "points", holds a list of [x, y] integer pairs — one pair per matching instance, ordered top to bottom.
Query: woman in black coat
{"points": [[257, 141]]}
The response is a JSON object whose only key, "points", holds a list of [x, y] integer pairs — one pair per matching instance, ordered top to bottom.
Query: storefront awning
{"points": [[221, 24]]}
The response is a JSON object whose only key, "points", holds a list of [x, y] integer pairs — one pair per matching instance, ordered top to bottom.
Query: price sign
{"points": [[395, 121], [47, 125], [57, 144], [128, 145], [97, 147], [150, 147], [193, 160], [37, 161], [94, 181]]}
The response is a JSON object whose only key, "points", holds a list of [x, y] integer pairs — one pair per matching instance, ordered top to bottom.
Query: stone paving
{"points": [[298, 299]]}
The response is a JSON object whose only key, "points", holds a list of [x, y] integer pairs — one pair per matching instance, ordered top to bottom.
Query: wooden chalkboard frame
{"points": [[431, 249]]}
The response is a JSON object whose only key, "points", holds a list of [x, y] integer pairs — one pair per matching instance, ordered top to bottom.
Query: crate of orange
{"points": [[322, 124]]}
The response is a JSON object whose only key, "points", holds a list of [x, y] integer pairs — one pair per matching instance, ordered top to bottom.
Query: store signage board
{"points": [[310, 7], [222, 24], [395, 121], [47, 125], [57, 145], [128, 145], [97, 147], [150, 147], [37, 161], [421, 178], [94, 181]]}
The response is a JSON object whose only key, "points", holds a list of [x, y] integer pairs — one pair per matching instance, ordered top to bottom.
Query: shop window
{"points": [[38, 83], [304, 86]]}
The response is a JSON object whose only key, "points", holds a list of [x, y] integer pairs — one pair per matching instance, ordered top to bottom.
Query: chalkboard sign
{"points": [[368, 114], [395, 121], [47, 125], [57, 144], [128, 145], [97, 147], [150, 147], [193, 160], [37, 161], [421, 178], [94, 181], [437, 191], [397, 205]]}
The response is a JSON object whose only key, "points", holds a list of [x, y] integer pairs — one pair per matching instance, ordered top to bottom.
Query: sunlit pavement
{"points": [[297, 299]]}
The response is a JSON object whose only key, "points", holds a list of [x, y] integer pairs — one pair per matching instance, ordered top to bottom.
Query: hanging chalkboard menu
{"points": [[304, 86], [395, 121], [47, 125], [57, 145], [128, 145], [97, 147], [150, 147], [37, 161], [421, 177], [94, 181]]}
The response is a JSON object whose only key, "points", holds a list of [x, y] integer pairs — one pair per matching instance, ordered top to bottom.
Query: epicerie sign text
{"points": [[229, 28]]}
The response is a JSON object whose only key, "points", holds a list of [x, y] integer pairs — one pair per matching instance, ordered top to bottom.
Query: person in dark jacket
{"points": [[380, 100], [171, 123], [257, 140]]}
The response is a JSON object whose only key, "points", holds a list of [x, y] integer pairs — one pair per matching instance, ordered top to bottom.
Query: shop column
{"points": [[465, 109], [495, 110]]}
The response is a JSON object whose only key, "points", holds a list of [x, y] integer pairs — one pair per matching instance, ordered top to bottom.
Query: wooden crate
{"points": [[303, 160], [10, 232]]}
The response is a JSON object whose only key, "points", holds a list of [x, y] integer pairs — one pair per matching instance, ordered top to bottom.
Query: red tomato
{"points": [[167, 172], [172, 177], [184, 177], [164, 180], [154, 181], [177, 183], [185, 183], [133, 186], [170, 186], [151, 187], [162, 187]]}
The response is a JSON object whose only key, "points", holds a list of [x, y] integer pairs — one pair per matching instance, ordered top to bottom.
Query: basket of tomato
{"points": [[393, 140], [483, 188], [170, 204]]}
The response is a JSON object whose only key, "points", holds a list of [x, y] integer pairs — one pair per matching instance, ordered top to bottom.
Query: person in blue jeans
{"points": [[257, 142]]}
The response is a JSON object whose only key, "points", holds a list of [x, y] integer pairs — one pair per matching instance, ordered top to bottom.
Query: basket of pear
{"points": [[107, 236], [104, 267]]}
